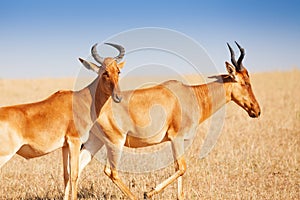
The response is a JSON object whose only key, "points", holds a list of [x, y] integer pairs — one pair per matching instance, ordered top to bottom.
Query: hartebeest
{"points": [[166, 112], [36, 129]]}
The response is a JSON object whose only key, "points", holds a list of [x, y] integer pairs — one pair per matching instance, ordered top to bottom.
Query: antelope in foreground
{"points": [[135, 122], [35, 129]]}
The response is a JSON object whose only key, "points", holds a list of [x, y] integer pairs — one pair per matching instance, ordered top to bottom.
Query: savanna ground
{"points": [[253, 158]]}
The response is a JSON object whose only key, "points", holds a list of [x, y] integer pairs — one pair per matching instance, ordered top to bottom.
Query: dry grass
{"points": [[253, 159]]}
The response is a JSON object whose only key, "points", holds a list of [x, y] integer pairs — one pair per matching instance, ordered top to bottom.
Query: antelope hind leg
{"points": [[90, 148]]}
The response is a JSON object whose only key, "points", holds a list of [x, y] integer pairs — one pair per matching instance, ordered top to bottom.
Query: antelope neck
{"points": [[212, 96], [94, 97]]}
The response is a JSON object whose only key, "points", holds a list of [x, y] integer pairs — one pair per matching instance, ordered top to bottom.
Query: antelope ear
{"points": [[90, 65], [121, 65], [231, 70]]}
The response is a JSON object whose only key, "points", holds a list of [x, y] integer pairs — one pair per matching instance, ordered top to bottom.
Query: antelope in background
{"points": [[134, 122], [36, 129]]}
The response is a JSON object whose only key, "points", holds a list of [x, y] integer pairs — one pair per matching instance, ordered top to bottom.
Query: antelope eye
{"points": [[246, 84]]}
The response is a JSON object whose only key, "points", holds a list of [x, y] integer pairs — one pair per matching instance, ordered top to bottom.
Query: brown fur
{"points": [[167, 112], [36, 129]]}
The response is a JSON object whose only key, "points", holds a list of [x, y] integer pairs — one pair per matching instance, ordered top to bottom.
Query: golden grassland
{"points": [[253, 158]]}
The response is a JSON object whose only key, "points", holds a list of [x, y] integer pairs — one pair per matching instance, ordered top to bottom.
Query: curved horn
{"points": [[121, 49], [242, 50], [95, 54], [232, 56]]}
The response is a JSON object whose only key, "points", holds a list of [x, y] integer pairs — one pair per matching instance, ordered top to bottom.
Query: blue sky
{"points": [[45, 38]]}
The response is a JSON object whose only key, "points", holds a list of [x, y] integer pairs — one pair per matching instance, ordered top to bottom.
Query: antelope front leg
{"points": [[74, 146], [114, 154], [65, 155], [181, 170], [113, 175], [180, 193]]}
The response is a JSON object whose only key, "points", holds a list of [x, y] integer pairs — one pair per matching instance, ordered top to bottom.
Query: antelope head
{"points": [[108, 71], [241, 91]]}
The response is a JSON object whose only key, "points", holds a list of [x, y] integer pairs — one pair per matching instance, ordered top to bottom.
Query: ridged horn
{"points": [[121, 50], [242, 50], [95, 54], [233, 61]]}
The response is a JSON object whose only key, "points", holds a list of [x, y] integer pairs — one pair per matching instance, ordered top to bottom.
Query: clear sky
{"points": [[45, 38]]}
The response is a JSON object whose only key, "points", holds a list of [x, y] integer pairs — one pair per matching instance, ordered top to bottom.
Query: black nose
{"points": [[117, 98], [258, 113]]}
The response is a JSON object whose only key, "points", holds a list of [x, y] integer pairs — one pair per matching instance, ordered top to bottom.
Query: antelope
{"points": [[136, 123], [35, 129]]}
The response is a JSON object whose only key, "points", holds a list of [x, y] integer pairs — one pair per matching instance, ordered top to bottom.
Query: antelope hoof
{"points": [[107, 171], [150, 194], [145, 196], [133, 198], [180, 198]]}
